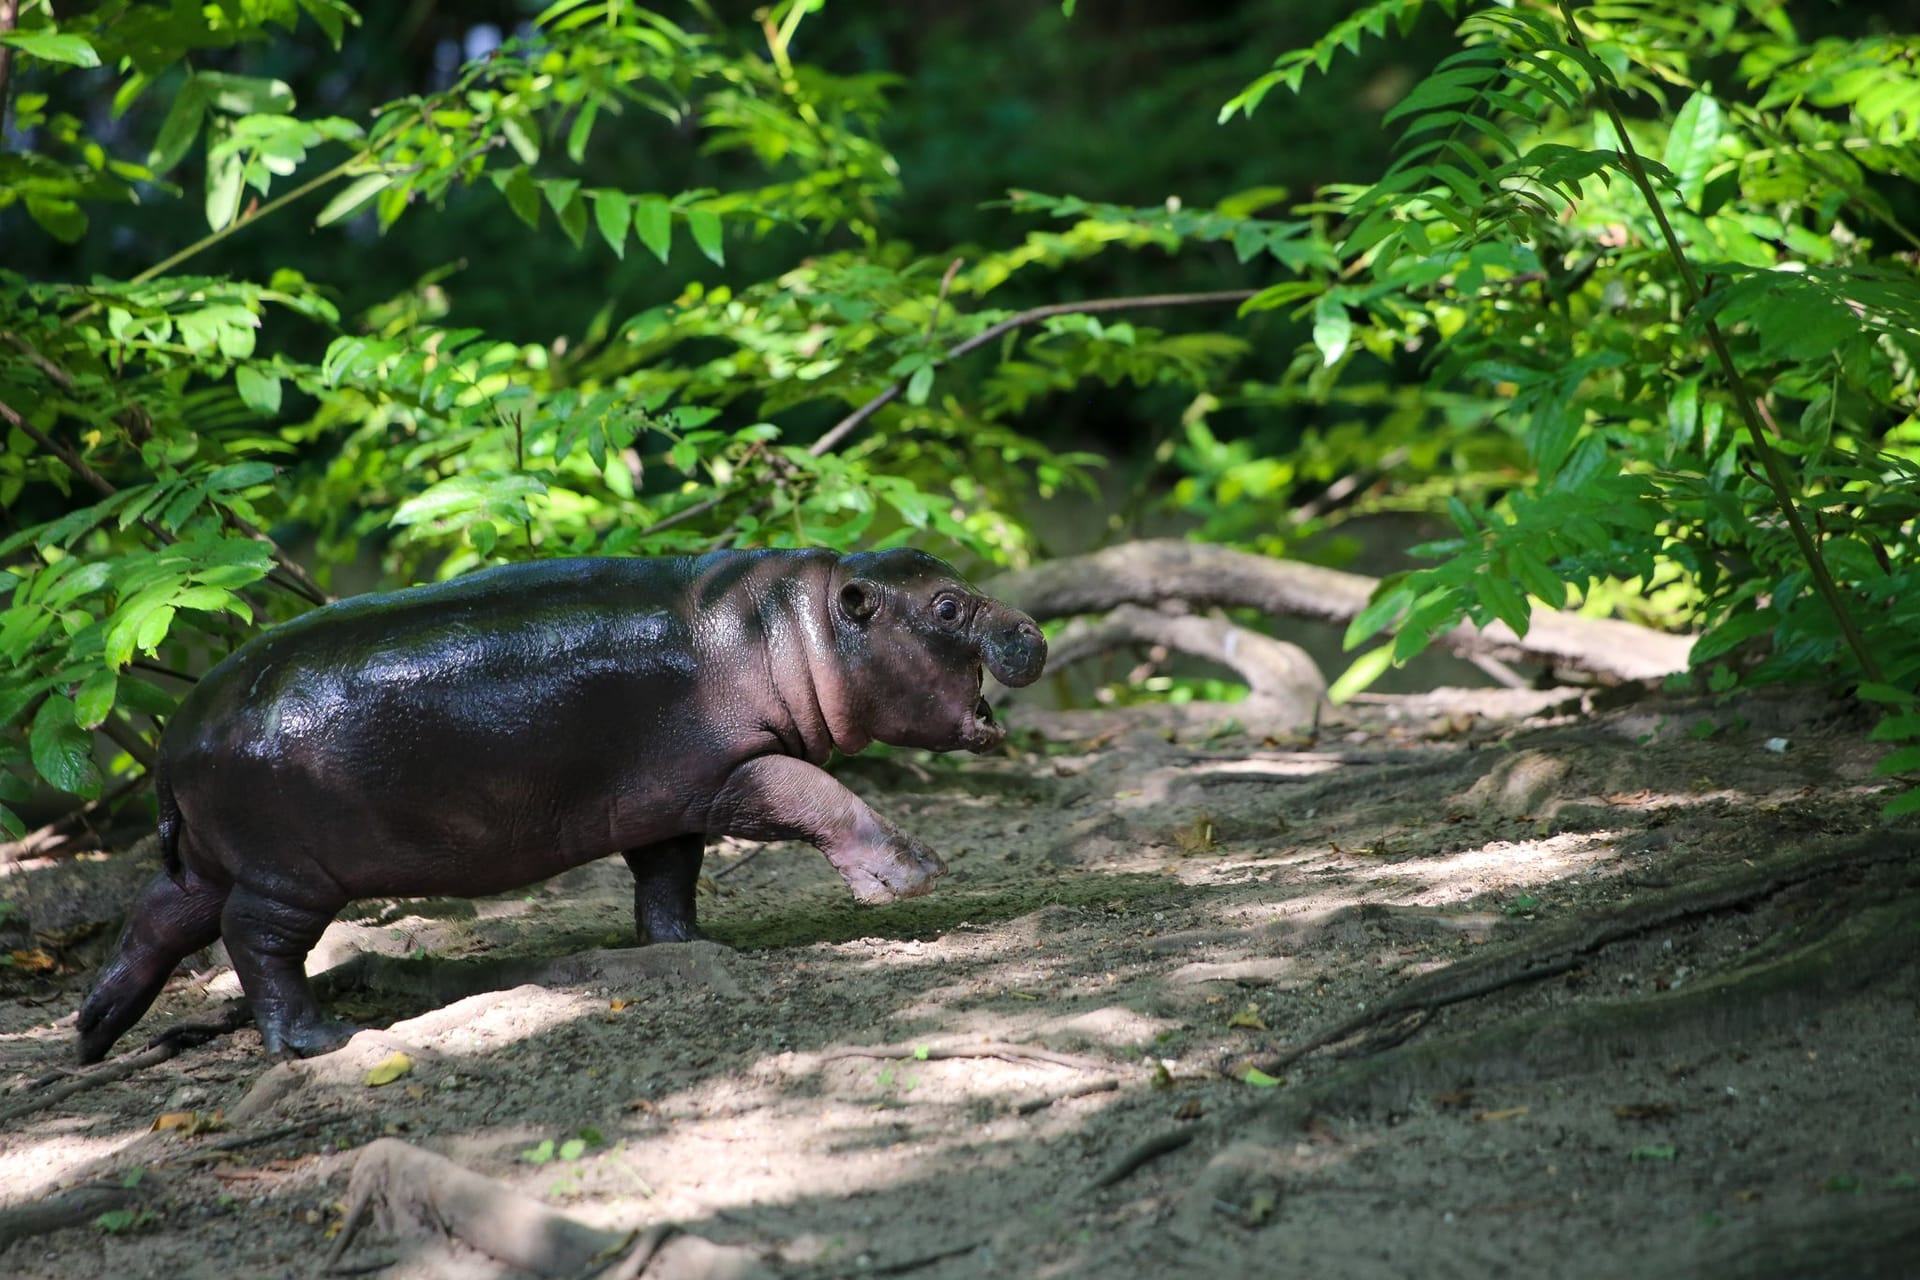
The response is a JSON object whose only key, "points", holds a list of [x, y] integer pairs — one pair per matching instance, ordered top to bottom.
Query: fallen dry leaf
{"points": [[1196, 837], [35, 960], [1248, 1017], [389, 1069], [1643, 1111], [1506, 1113], [188, 1123]]}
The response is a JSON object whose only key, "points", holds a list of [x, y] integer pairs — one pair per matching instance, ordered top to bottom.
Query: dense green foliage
{"points": [[1630, 304]]}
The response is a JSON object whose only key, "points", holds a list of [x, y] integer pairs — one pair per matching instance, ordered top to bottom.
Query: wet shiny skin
{"points": [[486, 733]]}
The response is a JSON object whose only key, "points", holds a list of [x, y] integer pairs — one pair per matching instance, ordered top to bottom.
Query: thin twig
{"points": [[9, 13], [946, 283], [851, 423], [128, 739], [42, 840], [740, 862], [985, 1049]]}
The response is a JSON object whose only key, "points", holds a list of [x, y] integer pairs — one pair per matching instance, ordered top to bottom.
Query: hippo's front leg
{"points": [[782, 798]]}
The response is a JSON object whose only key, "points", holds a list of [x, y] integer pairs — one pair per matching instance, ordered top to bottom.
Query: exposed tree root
{"points": [[1149, 572], [1284, 687], [1875, 940], [1555, 950], [182, 1035], [984, 1049], [1028, 1106], [1138, 1156], [411, 1191], [73, 1207], [1877, 1243]]}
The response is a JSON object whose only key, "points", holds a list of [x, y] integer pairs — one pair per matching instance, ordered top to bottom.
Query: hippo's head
{"points": [[912, 638]]}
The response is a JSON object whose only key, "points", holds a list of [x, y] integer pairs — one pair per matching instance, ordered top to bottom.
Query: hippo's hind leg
{"points": [[665, 875], [173, 919], [268, 939]]}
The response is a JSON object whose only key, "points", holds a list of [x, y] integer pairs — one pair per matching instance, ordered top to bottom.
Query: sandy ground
{"points": [[1158, 910]]}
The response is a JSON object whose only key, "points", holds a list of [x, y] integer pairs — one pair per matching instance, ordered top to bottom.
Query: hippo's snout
{"points": [[1013, 649]]}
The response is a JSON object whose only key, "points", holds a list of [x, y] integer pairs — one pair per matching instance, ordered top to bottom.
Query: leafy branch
{"points": [[1743, 396]]}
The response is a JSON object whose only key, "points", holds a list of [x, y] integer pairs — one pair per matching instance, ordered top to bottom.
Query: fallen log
{"points": [[1154, 571]]}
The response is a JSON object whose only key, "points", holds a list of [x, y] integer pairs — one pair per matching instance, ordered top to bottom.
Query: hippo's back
{"points": [[471, 713]]}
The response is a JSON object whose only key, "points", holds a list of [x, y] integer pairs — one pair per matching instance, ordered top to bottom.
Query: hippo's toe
{"points": [[902, 868]]}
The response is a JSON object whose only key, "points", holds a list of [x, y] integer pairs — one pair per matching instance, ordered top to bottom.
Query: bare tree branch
{"points": [[851, 423]]}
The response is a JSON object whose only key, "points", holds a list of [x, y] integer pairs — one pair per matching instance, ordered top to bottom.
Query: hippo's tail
{"points": [[169, 823]]}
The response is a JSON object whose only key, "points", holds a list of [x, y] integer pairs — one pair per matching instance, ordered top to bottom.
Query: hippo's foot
{"points": [[897, 867], [666, 875], [172, 920], [653, 933], [268, 940], [306, 1036]]}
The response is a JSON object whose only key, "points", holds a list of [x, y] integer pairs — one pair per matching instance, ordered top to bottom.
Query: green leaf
{"points": [[331, 16], [53, 46], [179, 129], [581, 130], [524, 140], [1690, 145], [225, 174], [358, 192], [522, 193], [613, 213], [572, 218], [64, 220], [653, 223], [705, 226], [1332, 327], [920, 385], [259, 391], [239, 475], [1537, 577], [1503, 600], [1388, 603], [1431, 614], [153, 629], [1360, 674], [94, 699], [1896, 728], [62, 751], [1905, 760], [1900, 806], [1260, 1079]]}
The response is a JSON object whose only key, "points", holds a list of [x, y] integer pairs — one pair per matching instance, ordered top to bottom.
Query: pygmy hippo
{"points": [[481, 734]]}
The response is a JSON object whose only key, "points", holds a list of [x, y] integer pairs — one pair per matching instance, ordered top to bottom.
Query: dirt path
{"points": [[1155, 915]]}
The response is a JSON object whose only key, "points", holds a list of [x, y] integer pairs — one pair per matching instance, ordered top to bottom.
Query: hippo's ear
{"points": [[858, 599]]}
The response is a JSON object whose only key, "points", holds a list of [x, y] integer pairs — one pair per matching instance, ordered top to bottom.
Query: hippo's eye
{"points": [[947, 609]]}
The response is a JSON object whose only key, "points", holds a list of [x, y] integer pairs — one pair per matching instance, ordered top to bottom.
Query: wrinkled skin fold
{"points": [[479, 735]]}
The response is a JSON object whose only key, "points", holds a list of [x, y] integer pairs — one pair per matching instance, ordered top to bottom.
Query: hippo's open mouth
{"points": [[981, 732]]}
